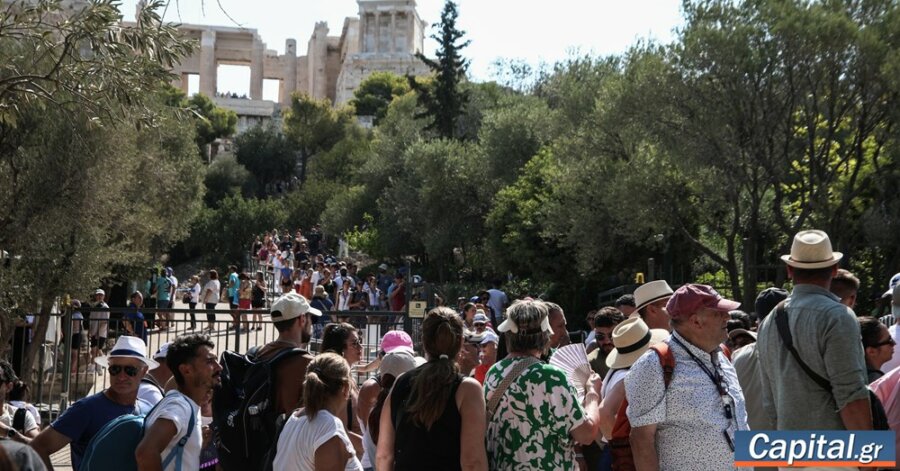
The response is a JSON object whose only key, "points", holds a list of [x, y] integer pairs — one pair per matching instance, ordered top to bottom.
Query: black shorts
{"points": [[233, 305], [77, 340], [99, 342]]}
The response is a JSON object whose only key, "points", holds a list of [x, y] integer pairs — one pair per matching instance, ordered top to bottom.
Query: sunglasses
{"points": [[889, 341], [114, 370]]}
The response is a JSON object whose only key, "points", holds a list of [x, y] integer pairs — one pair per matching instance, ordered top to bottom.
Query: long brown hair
{"points": [[442, 333]]}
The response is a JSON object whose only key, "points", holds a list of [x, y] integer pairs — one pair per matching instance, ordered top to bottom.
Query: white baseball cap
{"points": [[291, 306]]}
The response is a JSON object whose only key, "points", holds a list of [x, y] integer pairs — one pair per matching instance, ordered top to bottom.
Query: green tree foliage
{"points": [[51, 55], [376, 92], [444, 101], [213, 121], [314, 126], [511, 134], [267, 153], [91, 159], [224, 177], [304, 207], [222, 234], [517, 234]]}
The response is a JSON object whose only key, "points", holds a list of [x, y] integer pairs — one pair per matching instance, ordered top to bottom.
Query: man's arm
{"points": [[609, 407], [857, 415], [47, 443], [643, 448], [149, 451]]}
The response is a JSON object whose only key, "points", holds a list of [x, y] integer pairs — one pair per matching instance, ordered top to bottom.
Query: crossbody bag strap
{"points": [[784, 331], [507, 381], [177, 452]]}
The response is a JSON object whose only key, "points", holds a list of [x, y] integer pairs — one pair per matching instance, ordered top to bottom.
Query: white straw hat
{"points": [[811, 249], [651, 292], [632, 338]]}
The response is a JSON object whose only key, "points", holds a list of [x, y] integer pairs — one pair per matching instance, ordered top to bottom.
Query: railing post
{"points": [[237, 335], [67, 360]]}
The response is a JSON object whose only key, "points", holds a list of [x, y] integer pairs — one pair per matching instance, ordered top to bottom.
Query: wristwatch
{"points": [[11, 433]]}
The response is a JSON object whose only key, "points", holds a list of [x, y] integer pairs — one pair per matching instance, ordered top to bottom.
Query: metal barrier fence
{"points": [[73, 349]]}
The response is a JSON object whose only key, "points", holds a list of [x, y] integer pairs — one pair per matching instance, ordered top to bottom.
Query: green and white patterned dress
{"points": [[530, 429]]}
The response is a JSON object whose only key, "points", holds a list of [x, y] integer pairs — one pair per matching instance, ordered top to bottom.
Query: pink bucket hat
{"points": [[396, 340]]}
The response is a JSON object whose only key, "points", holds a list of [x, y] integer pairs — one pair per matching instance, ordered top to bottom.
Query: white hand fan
{"points": [[573, 360]]}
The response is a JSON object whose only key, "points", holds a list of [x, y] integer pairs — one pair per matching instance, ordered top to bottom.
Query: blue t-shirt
{"points": [[234, 283], [162, 288], [136, 317], [83, 419]]}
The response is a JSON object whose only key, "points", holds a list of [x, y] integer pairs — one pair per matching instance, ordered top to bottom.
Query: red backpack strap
{"points": [[726, 351], [666, 360]]}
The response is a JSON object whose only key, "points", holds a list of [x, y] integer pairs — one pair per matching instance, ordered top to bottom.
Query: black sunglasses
{"points": [[889, 341], [114, 370]]}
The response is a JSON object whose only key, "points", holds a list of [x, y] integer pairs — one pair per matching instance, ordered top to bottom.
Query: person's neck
{"points": [[824, 284], [291, 338], [696, 340], [529, 353], [161, 375], [197, 394], [123, 400], [336, 405]]}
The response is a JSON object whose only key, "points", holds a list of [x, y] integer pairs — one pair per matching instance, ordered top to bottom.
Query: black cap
{"points": [[767, 300]]}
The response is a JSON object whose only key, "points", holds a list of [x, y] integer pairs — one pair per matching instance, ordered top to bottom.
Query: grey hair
{"points": [[527, 314]]}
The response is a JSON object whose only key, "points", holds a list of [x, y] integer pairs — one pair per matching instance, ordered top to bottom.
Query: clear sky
{"points": [[535, 31]]}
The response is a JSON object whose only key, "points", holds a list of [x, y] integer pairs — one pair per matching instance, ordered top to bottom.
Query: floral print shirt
{"points": [[530, 428]]}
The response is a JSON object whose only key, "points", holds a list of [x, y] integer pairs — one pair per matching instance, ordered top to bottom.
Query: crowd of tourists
{"points": [[675, 374]]}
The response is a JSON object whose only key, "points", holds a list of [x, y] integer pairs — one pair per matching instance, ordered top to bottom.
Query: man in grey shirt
{"points": [[826, 336], [746, 364]]}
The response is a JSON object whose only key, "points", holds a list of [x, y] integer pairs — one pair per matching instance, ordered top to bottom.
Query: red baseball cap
{"points": [[691, 298]]}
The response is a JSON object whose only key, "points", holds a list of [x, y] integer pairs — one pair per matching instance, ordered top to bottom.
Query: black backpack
{"points": [[246, 421]]}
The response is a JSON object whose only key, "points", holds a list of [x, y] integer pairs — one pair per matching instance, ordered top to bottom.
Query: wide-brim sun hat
{"points": [[810, 250], [651, 292], [632, 338], [128, 347]]}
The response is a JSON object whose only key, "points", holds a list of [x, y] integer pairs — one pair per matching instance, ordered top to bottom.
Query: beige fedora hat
{"points": [[811, 249], [650, 293], [632, 338]]}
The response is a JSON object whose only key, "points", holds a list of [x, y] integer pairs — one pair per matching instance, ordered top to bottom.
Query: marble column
{"points": [[377, 31], [411, 31], [393, 41], [257, 59], [208, 66], [289, 85]]}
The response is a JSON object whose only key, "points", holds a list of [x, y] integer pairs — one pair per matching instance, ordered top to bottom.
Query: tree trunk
{"points": [[304, 160], [751, 271], [41, 323]]}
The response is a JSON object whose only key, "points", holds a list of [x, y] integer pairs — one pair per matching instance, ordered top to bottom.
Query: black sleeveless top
{"points": [[413, 444]]}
